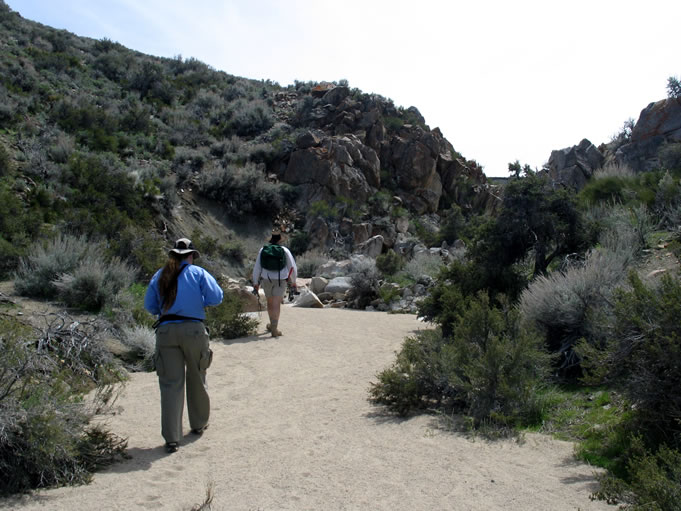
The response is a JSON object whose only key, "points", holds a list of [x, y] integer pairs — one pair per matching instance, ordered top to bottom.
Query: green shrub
{"points": [[6, 164], [299, 242], [140, 248], [389, 263], [228, 321], [643, 357], [494, 364], [490, 368], [414, 377], [653, 482]]}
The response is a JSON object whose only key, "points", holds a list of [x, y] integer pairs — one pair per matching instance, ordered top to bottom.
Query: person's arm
{"points": [[257, 269], [293, 269], [211, 290], [152, 299]]}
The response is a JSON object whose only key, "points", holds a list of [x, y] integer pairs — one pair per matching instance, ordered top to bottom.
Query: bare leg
{"points": [[273, 310]]}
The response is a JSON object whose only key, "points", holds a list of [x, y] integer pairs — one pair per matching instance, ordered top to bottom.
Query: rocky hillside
{"points": [[100, 140]]}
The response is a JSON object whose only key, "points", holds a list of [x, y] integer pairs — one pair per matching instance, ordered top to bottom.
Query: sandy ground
{"points": [[291, 428]]}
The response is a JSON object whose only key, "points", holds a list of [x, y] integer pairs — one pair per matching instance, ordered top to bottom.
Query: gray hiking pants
{"points": [[182, 353]]}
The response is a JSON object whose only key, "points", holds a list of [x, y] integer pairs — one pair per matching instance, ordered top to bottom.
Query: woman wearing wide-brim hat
{"points": [[178, 293]]}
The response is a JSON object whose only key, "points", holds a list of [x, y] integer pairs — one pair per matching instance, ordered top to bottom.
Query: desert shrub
{"points": [[251, 118], [670, 156], [5, 161], [613, 170], [243, 190], [103, 196], [453, 225], [299, 242], [142, 249], [309, 263], [389, 263], [423, 263], [74, 270], [38, 271], [364, 278], [94, 283], [574, 304], [228, 321], [141, 339], [643, 356], [489, 368], [414, 377], [45, 435], [653, 481]]}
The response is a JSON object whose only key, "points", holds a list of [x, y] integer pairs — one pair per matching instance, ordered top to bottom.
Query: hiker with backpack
{"points": [[274, 266], [178, 293]]}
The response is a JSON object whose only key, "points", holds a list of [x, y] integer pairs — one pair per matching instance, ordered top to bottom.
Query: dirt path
{"points": [[291, 429]]}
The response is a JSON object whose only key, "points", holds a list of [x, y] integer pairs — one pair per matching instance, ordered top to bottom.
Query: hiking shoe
{"points": [[276, 333], [199, 431], [172, 447]]}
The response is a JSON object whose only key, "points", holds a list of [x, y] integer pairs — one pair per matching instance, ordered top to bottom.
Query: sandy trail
{"points": [[291, 428]]}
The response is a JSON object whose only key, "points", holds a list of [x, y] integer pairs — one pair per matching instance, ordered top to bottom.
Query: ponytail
{"points": [[167, 283]]}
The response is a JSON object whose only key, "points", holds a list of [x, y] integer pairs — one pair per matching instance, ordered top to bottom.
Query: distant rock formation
{"points": [[574, 166]]}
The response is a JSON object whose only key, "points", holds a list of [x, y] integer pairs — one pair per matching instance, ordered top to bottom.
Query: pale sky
{"points": [[503, 80]]}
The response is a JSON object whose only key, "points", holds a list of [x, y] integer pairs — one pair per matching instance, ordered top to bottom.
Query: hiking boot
{"points": [[276, 333], [199, 431]]}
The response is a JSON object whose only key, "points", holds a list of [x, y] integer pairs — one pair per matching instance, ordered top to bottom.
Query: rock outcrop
{"points": [[658, 124], [354, 145], [574, 166]]}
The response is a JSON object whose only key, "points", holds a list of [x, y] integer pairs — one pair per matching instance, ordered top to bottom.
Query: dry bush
{"points": [[614, 170], [424, 263], [46, 438]]}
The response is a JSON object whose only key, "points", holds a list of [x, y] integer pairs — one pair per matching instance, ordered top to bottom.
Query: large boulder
{"points": [[662, 118], [659, 123], [574, 166], [338, 167], [373, 247], [339, 285], [308, 299]]}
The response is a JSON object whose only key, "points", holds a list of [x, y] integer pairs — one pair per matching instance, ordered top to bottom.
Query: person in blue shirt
{"points": [[177, 294]]}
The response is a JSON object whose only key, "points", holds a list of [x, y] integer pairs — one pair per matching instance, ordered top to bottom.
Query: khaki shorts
{"points": [[275, 287]]}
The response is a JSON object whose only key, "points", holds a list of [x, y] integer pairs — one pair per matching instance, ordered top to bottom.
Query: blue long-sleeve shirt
{"points": [[196, 289]]}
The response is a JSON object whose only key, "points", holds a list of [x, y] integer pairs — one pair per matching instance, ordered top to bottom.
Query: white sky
{"points": [[503, 80]]}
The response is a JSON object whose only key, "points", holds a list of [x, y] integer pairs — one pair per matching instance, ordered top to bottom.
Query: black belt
{"points": [[173, 317]]}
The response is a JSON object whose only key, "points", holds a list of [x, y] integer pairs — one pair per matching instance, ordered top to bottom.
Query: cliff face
{"points": [[354, 145]]}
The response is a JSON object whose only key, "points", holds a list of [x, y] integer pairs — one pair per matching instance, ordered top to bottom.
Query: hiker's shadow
{"points": [[242, 340], [143, 458]]}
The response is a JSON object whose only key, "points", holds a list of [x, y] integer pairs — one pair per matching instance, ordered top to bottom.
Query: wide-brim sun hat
{"points": [[276, 236], [184, 246]]}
